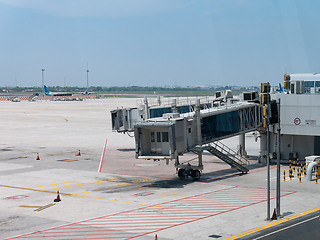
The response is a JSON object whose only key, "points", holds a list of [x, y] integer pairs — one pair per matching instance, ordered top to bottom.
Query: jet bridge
{"points": [[124, 119], [174, 134]]}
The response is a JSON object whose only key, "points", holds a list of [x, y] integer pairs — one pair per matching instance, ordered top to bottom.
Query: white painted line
{"points": [[102, 157], [286, 228]]}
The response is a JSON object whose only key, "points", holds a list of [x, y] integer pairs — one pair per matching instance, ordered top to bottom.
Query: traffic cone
{"points": [[78, 154], [37, 158], [58, 197], [274, 215], [156, 238]]}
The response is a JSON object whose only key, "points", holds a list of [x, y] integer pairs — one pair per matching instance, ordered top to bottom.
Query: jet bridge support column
{"points": [[174, 106], [146, 108], [199, 137], [242, 145], [263, 148], [200, 160], [185, 170]]}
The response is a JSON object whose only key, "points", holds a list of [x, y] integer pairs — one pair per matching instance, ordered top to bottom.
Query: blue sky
{"points": [[157, 42]]}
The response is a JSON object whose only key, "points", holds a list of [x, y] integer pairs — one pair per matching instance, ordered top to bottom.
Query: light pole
{"points": [[87, 79], [42, 81], [278, 163]]}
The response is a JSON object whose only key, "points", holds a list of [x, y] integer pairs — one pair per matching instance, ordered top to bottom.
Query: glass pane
{"points": [[309, 84], [152, 137], [158, 137], [165, 137]]}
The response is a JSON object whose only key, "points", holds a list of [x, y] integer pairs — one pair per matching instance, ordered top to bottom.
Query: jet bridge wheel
{"points": [[181, 173], [195, 174]]}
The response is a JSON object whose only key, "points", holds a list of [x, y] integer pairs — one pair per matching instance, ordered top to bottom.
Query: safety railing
{"points": [[229, 152]]}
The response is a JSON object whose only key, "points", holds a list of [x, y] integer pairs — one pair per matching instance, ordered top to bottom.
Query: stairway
{"points": [[33, 96], [227, 155]]}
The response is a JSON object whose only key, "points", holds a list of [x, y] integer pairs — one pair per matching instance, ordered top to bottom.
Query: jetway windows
{"points": [[183, 109], [158, 112], [220, 125], [152, 137], [158, 137], [165, 137], [159, 142]]}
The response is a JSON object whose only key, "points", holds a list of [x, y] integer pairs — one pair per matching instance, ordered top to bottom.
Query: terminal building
{"points": [[299, 119]]}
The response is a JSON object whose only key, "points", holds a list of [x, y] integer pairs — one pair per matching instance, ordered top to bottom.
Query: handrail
{"points": [[181, 101], [234, 106], [225, 149]]}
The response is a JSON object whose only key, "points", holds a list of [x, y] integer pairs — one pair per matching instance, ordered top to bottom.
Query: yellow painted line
{"points": [[91, 183], [54, 184], [75, 185], [119, 185], [140, 188], [101, 189], [36, 190], [68, 194], [173, 194], [112, 200], [44, 207], [272, 224]]}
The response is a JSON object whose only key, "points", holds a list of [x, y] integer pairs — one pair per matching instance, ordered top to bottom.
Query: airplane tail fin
{"points": [[46, 89], [281, 89]]}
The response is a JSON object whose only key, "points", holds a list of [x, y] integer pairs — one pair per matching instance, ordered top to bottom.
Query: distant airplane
{"points": [[281, 89], [86, 92], [48, 93]]}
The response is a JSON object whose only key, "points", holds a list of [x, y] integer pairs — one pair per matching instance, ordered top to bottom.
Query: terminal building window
{"points": [[309, 84]]}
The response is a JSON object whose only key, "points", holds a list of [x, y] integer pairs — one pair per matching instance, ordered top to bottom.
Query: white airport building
{"points": [[299, 119]]}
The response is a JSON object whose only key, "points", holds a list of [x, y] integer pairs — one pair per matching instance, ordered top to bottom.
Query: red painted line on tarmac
{"points": [[102, 157], [147, 220]]}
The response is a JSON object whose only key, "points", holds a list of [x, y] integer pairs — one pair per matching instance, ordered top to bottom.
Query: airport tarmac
{"points": [[130, 198]]}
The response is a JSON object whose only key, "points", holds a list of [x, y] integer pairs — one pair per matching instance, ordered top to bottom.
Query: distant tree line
{"points": [[125, 89]]}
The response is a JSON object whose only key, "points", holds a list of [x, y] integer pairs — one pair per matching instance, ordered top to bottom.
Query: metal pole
{"points": [[87, 79], [42, 81], [198, 122], [278, 162], [268, 166]]}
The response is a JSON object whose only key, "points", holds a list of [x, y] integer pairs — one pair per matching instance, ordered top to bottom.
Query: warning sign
{"points": [[297, 121]]}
